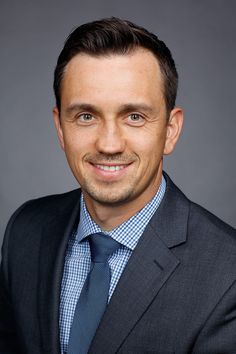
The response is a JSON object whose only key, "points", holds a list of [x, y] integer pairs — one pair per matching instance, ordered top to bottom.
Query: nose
{"points": [[110, 139]]}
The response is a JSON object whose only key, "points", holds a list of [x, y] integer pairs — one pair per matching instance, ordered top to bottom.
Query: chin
{"points": [[109, 196]]}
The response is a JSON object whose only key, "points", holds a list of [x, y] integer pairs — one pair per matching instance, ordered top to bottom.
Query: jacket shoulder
{"points": [[50, 203], [42, 210], [198, 219], [204, 222]]}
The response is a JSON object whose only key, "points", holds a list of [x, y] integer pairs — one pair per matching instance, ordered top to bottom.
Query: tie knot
{"points": [[102, 246]]}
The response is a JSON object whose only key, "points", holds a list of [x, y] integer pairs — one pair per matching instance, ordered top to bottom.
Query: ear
{"points": [[57, 122], [174, 127]]}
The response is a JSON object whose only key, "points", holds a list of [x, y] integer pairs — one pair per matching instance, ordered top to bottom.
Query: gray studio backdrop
{"points": [[202, 37]]}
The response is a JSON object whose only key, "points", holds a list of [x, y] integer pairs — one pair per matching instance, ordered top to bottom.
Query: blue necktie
{"points": [[94, 295]]}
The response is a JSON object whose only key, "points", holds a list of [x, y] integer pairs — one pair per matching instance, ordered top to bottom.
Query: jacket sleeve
{"points": [[218, 335], [9, 336]]}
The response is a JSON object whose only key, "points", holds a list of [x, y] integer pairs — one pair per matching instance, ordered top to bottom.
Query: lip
{"points": [[110, 171]]}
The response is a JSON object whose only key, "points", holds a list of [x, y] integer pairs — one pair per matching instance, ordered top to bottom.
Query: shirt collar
{"points": [[129, 232]]}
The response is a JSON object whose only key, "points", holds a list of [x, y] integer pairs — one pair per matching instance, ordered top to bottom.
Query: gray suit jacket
{"points": [[177, 293]]}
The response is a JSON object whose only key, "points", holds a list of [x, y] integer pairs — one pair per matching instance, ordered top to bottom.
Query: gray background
{"points": [[202, 38]]}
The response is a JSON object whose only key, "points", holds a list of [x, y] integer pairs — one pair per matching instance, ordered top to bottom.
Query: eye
{"points": [[85, 118], [135, 119]]}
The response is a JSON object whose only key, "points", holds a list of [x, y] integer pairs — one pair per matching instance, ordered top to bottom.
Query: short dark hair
{"points": [[115, 36]]}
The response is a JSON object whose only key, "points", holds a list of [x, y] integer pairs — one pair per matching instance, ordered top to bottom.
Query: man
{"points": [[169, 283]]}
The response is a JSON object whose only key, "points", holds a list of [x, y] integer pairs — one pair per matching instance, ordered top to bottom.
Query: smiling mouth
{"points": [[111, 168]]}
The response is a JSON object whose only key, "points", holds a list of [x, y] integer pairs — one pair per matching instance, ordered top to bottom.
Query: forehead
{"points": [[137, 73]]}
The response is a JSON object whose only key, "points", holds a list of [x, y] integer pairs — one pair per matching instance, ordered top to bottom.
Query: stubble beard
{"points": [[109, 193]]}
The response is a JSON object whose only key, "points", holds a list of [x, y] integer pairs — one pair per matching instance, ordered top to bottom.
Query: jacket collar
{"points": [[171, 219]]}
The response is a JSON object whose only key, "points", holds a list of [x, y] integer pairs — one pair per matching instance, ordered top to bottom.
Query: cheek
{"points": [[76, 141], [150, 146], [74, 150]]}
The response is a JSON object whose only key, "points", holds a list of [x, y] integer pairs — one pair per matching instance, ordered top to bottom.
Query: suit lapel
{"points": [[54, 238], [149, 267], [140, 283]]}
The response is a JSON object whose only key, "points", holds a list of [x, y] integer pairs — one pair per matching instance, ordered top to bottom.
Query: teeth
{"points": [[110, 168]]}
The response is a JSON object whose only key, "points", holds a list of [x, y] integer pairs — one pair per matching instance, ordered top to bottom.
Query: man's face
{"points": [[113, 126]]}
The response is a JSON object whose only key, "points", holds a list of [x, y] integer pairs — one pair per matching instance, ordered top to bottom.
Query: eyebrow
{"points": [[75, 107], [136, 107], [125, 108]]}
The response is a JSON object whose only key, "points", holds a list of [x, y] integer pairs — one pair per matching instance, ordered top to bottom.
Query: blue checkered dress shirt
{"points": [[77, 260]]}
